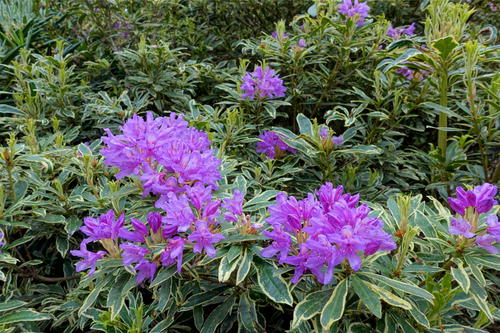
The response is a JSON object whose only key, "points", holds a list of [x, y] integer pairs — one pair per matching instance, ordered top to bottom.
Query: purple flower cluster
{"points": [[492, 6], [350, 8], [398, 32], [410, 73], [263, 83], [327, 143], [272, 145], [182, 152], [481, 199], [469, 204], [328, 231], [1, 243]]}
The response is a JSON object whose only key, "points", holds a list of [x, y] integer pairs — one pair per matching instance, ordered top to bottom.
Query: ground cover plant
{"points": [[249, 166]]}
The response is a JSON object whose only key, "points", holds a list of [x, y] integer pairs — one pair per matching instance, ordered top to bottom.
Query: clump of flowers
{"points": [[350, 8], [398, 32], [276, 35], [263, 83], [327, 140], [272, 145], [168, 155], [468, 205], [326, 232], [1, 243]]}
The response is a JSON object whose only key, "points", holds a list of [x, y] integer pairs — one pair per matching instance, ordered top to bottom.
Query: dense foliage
{"points": [[249, 166]]}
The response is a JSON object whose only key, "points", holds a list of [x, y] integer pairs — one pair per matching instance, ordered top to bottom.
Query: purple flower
{"points": [[350, 9], [398, 32], [275, 35], [302, 42], [262, 82], [324, 133], [337, 140], [272, 143], [198, 195], [328, 195], [481, 198], [234, 205], [211, 211], [179, 213], [291, 213], [154, 221], [257, 226], [494, 226], [460, 227], [104, 228], [140, 230], [204, 238], [485, 242], [1, 243], [281, 244], [350, 244], [322, 252], [132, 253], [173, 253], [89, 258], [299, 261], [146, 270]]}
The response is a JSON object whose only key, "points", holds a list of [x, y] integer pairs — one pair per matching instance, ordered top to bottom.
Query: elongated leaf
{"points": [[445, 46], [405, 56], [305, 125], [244, 266], [165, 275], [461, 276], [401, 286], [274, 287], [368, 296], [92, 297], [204, 297], [390, 298], [115, 299], [10, 305], [312, 305], [334, 308], [218, 315], [247, 315], [24, 316]]}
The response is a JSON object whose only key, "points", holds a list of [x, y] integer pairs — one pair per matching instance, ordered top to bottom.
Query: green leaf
{"points": [[400, 43], [445, 46], [410, 53], [4, 108], [270, 110], [305, 125], [84, 150], [40, 160], [20, 189], [261, 198], [53, 218], [73, 223], [62, 245], [229, 263], [244, 266], [476, 271], [165, 275], [460, 275], [401, 286], [274, 287], [479, 295], [368, 296], [92, 297], [204, 297], [390, 298], [115, 299], [10, 305], [312, 305], [334, 308], [218, 315], [247, 315], [24, 316], [419, 316]]}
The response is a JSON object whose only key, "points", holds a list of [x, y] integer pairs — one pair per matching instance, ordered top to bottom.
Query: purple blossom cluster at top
{"points": [[492, 6], [350, 8], [398, 32], [263, 83], [272, 145], [181, 151], [468, 205], [328, 231], [1, 243]]}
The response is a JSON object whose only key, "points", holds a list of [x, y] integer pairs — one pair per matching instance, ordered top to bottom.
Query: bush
{"points": [[249, 166]]}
